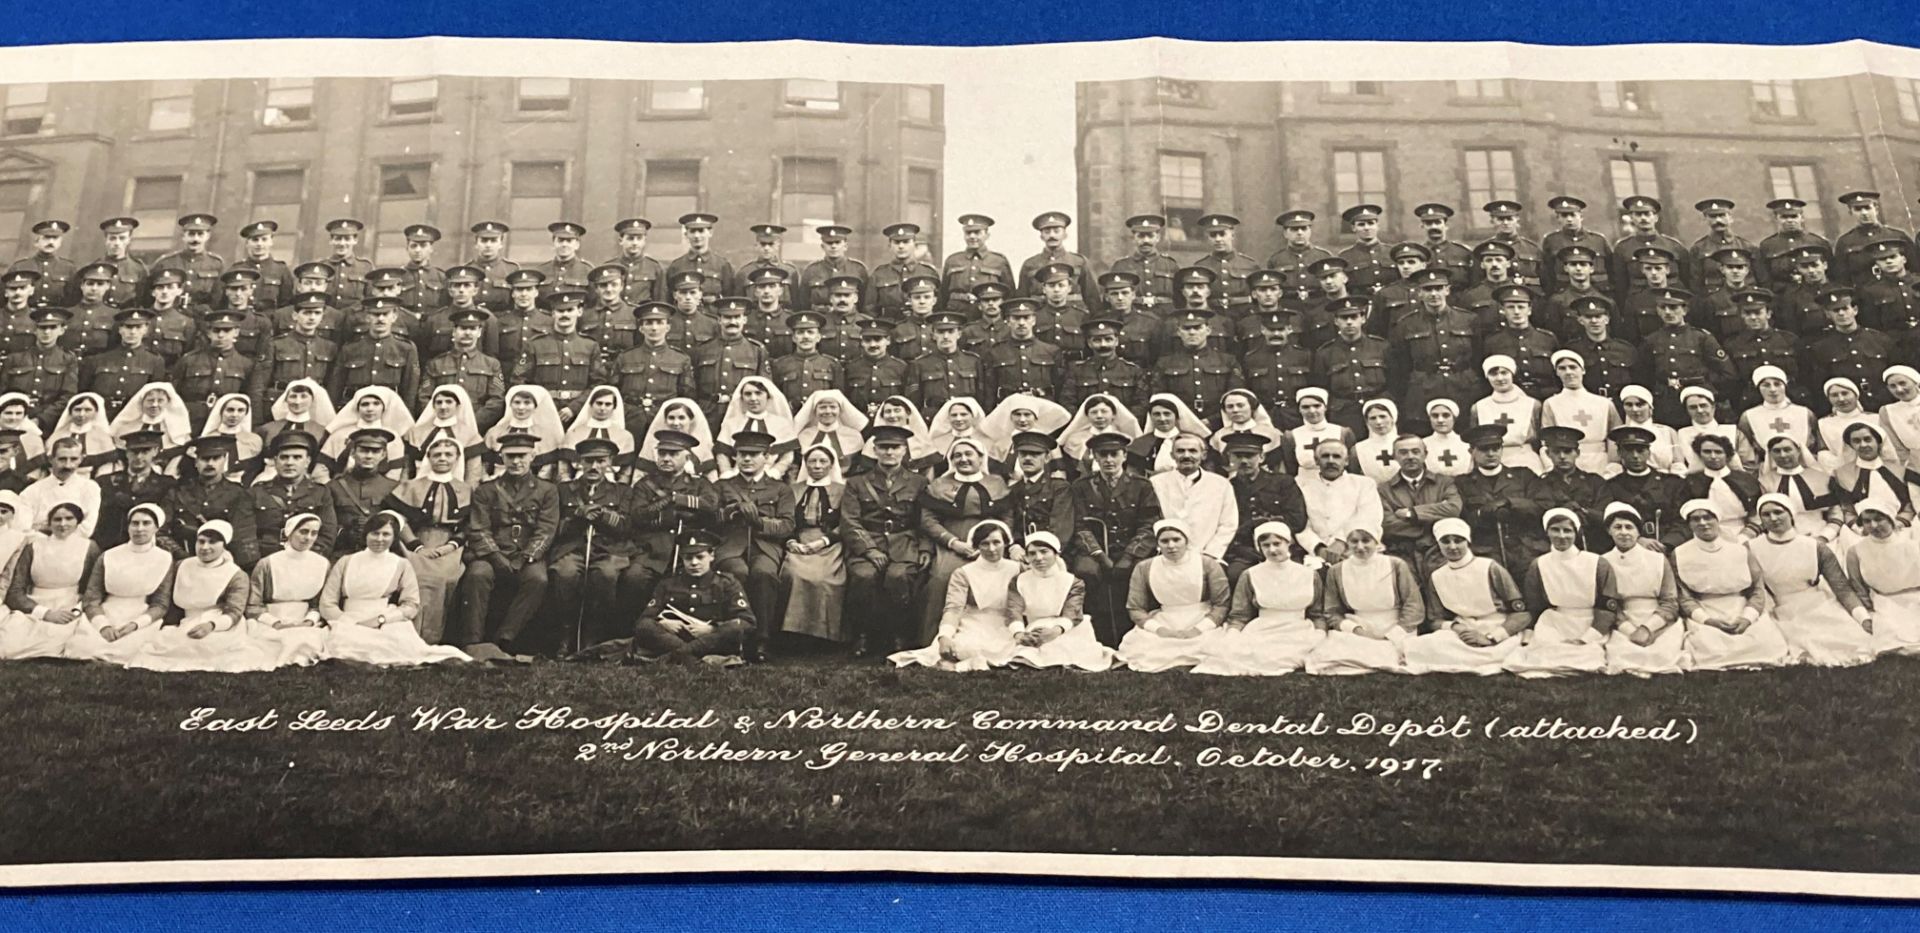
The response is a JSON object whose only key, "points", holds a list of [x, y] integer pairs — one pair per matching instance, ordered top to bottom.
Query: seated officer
{"points": [[756, 518], [513, 520], [591, 551], [696, 614]]}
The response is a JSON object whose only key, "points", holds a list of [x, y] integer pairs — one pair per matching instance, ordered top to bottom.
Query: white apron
{"points": [[1586, 412], [1516, 415], [1890, 571], [1637, 574], [129, 577], [297, 577], [1717, 579], [55, 584], [197, 588], [1180, 589], [1466, 591], [365, 593], [1369, 593], [1819, 629], [981, 638], [1278, 639], [1563, 640], [1076, 647]]}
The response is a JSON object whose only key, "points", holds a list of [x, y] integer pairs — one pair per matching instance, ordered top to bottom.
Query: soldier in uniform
{"points": [[1571, 212], [1643, 213], [1718, 213], [1435, 219], [1052, 226], [1790, 233], [767, 237], [1367, 249], [1296, 258], [490, 260], [1853, 260], [1494, 261], [1529, 265], [1577, 265], [974, 266], [200, 267], [1230, 267], [714, 269], [1152, 269], [566, 271], [129, 274], [646, 277], [312, 278], [816, 278], [58, 282], [275, 285], [382, 286], [886, 286], [423, 287], [347, 288], [1268, 288], [1196, 294], [1891, 303], [1797, 306], [1716, 310], [1640, 313], [1059, 316], [93, 317], [767, 317], [16, 318], [522, 319], [607, 320], [841, 323], [690, 324], [256, 325], [989, 325], [1315, 325], [175, 328], [910, 333], [434, 335], [1143, 336], [1759, 344], [1530, 347], [300, 352], [1434, 352], [1851, 352], [1679, 355], [381, 358], [1609, 359], [561, 360], [1022, 362], [720, 363], [467, 365], [1277, 367], [1352, 367], [218, 368], [806, 370], [1104, 371], [945, 372], [118, 374], [647, 374], [876, 374], [1198, 374], [141, 482], [1565, 485], [361, 488], [290, 492], [204, 493], [1655, 494], [1262, 496], [1037, 499], [676, 500], [1498, 502], [1114, 512], [756, 519], [512, 523], [885, 554], [587, 570], [723, 622]]}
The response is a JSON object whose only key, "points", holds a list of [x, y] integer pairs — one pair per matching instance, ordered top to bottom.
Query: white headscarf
{"points": [[322, 412], [778, 415], [1049, 417], [394, 418], [544, 423], [584, 423], [1260, 423], [176, 424], [213, 425], [462, 429], [1081, 429], [846, 432], [943, 436], [99, 438], [650, 445], [920, 445], [979, 447], [804, 478]]}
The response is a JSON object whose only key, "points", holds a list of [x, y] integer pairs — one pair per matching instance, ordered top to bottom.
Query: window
{"points": [[1356, 88], [1482, 89], [1907, 90], [1180, 92], [545, 95], [676, 96], [822, 96], [1630, 96], [412, 97], [1775, 99], [289, 102], [917, 103], [169, 105], [26, 111], [1633, 176], [1359, 177], [1491, 177], [1799, 181], [671, 189], [537, 193], [1183, 193], [277, 196], [809, 197], [923, 201], [155, 202], [403, 202], [16, 204]]}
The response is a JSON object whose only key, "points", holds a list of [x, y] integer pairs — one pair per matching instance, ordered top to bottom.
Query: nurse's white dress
{"points": [[1889, 574], [47, 575], [1719, 579], [1644, 581], [128, 584], [286, 588], [360, 588], [215, 593], [1479, 594], [1185, 599], [1043, 600], [1813, 601], [1271, 602], [1381, 605], [973, 617], [1563, 640]]}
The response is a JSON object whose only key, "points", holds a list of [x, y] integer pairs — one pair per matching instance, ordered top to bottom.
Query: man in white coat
{"points": [[63, 483], [1203, 500], [1337, 502]]}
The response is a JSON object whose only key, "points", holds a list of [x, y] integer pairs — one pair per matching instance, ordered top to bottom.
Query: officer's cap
{"points": [[1852, 198], [1786, 206], [1502, 208], [1051, 219], [698, 220], [198, 222], [1219, 222], [345, 225], [633, 225], [259, 228], [489, 228], [567, 228], [901, 231], [422, 233], [833, 233], [1493, 248], [1411, 251], [1577, 253], [1654, 254], [1732, 256], [1329, 265], [313, 270], [1054, 272], [465, 275], [1195, 275], [386, 276], [1430, 276], [160, 277], [1266, 278], [688, 279], [1114, 281], [920, 283], [990, 290], [1513, 292], [1754, 295], [1672, 296], [568, 299], [311, 301], [735, 304], [1592, 304], [1351, 305], [1021, 307], [51, 316], [133, 316], [476, 317], [216, 320], [943, 320], [888, 434], [1485, 435], [1630, 436], [1561, 437], [377, 438], [666, 439], [143, 440], [293, 440], [1108, 440], [517, 441], [752, 442], [1032, 442], [1244, 442], [214, 445], [596, 447]]}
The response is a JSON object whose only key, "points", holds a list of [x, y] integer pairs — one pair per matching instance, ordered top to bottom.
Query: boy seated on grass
{"points": [[698, 614]]}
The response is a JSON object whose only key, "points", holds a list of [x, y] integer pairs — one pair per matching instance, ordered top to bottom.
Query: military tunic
{"points": [[1702, 252], [1362, 255], [1775, 255], [1454, 258], [1529, 259], [1851, 263], [967, 268], [1626, 269], [717, 270], [202, 271], [1155, 272], [570, 275], [814, 278], [646, 279], [1556, 279], [129, 281], [59, 283], [1084, 285], [1301, 285], [348, 286], [275, 287], [1230, 289], [493, 294], [886, 296], [1891, 305], [519, 326], [1061, 326], [615, 329], [769, 329], [91, 330], [690, 330], [172, 335], [434, 336], [840, 336], [980, 336], [1749, 350], [1532, 351], [1860, 355], [1434, 356], [291, 357], [1673, 358], [390, 361], [563, 363], [720, 364], [1609, 364], [1022, 366], [119, 373], [801, 374], [1275, 374], [203, 375], [481, 375], [646, 376], [1116, 376], [935, 377], [1198, 378], [872, 380], [120, 491], [1656, 495], [1263, 497], [355, 498], [276, 500], [193, 501], [1041, 504], [1505, 516], [515, 517]]}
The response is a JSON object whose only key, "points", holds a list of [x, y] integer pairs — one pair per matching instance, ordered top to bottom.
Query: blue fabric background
{"points": [[860, 903]]}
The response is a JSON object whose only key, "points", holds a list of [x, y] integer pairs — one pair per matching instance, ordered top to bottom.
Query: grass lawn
{"points": [[1802, 768]]}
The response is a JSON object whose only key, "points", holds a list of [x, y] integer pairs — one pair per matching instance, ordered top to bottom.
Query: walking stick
{"points": [[1500, 534], [586, 571]]}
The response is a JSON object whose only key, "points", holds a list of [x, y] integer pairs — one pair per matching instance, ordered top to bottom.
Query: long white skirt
{"points": [[1896, 623], [1820, 630], [23, 636], [981, 640], [87, 643], [1271, 643], [395, 644], [1560, 644], [295, 645], [1075, 648], [1712, 649], [232, 650], [1142, 650], [1443, 652], [1347, 653], [1664, 655]]}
